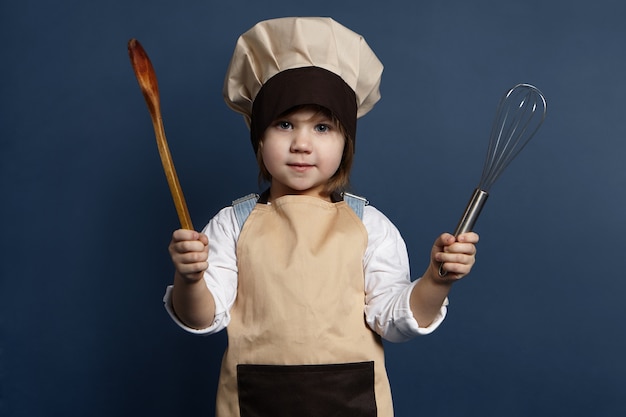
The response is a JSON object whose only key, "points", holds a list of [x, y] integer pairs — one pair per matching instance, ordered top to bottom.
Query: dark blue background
{"points": [[537, 330]]}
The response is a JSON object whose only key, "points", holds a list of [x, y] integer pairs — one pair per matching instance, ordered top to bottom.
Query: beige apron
{"points": [[298, 343]]}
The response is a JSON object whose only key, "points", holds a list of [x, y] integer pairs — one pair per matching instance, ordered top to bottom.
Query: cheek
{"points": [[338, 154], [269, 156], [338, 159]]}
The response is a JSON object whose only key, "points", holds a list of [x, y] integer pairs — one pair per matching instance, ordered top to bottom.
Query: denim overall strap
{"points": [[356, 203], [243, 206]]}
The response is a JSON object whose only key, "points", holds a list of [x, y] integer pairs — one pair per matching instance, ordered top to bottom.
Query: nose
{"points": [[301, 142]]}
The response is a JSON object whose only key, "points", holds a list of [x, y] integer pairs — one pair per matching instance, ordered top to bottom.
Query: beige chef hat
{"points": [[282, 63]]}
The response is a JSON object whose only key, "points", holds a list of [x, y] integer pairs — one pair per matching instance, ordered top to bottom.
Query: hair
{"points": [[303, 86], [341, 178]]}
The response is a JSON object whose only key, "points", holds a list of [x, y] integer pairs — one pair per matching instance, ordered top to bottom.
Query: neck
{"points": [[274, 194]]}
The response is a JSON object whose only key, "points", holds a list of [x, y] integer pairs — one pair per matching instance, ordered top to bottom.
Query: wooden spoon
{"points": [[150, 89]]}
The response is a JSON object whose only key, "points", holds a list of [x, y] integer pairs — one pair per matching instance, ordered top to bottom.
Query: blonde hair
{"points": [[341, 178]]}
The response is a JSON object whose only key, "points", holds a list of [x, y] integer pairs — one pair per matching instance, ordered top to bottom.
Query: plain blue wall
{"points": [[537, 330]]}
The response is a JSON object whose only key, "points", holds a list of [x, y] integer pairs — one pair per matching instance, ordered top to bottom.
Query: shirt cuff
{"points": [[405, 322], [214, 328]]}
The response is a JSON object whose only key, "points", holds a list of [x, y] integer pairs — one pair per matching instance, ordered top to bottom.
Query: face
{"points": [[302, 151]]}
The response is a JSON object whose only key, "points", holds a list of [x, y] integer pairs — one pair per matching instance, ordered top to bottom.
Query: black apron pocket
{"points": [[337, 390]]}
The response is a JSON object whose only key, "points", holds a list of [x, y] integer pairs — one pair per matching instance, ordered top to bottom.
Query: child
{"points": [[307, 278]]}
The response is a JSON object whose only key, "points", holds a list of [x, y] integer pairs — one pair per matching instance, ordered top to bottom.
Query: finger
{"points": [[183, 234], [469, 237], [447, 239], [442, 241], [191, 246], [462, 248], [180, 254], [192, 257], [458, 258], [190, 262], [193, 268], [456, 271]]}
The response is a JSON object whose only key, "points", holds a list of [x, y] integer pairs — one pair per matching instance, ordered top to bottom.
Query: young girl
{"points": [[307, 278]]}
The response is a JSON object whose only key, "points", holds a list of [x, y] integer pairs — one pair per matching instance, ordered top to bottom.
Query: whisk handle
{"points": [[472, 211]]}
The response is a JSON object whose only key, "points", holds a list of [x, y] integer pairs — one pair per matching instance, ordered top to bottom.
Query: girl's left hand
{"points": [[454, 255]]}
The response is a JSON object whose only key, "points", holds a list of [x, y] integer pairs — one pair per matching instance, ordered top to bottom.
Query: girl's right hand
{"points": [[190, 253]]}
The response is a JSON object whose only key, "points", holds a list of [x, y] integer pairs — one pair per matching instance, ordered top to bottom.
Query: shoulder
{"points": [[225, 216], [375, 218], [223, 223], [379, 227], [385, 246]]}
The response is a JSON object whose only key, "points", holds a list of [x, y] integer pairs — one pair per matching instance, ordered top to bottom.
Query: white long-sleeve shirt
{"points": [[387, 278]]}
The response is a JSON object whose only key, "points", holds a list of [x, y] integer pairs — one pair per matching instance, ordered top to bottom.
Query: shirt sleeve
{"points": [[221, 276], [388, 283]]}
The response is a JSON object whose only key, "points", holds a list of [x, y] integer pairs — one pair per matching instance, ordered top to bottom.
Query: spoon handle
{"points": [[149, 87]]}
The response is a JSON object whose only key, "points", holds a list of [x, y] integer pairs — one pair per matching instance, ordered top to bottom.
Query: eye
{"points": [[284, 125], [322, 128]]}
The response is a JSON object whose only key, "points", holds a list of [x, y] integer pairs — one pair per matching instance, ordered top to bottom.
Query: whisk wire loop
{"points": [[520, 113]]}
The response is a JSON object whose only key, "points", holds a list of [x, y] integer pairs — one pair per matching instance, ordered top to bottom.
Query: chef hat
{"points": [[282, 63]]}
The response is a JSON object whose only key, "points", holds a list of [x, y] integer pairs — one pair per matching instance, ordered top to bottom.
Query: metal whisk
{"points": [[520, 113]]}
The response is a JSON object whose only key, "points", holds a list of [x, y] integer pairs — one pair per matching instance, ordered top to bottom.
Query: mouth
{"points": [[300, 167]]}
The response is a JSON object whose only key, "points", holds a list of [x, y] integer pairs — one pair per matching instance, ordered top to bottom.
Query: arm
{"points": [[429, 293], [191, 299]]}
